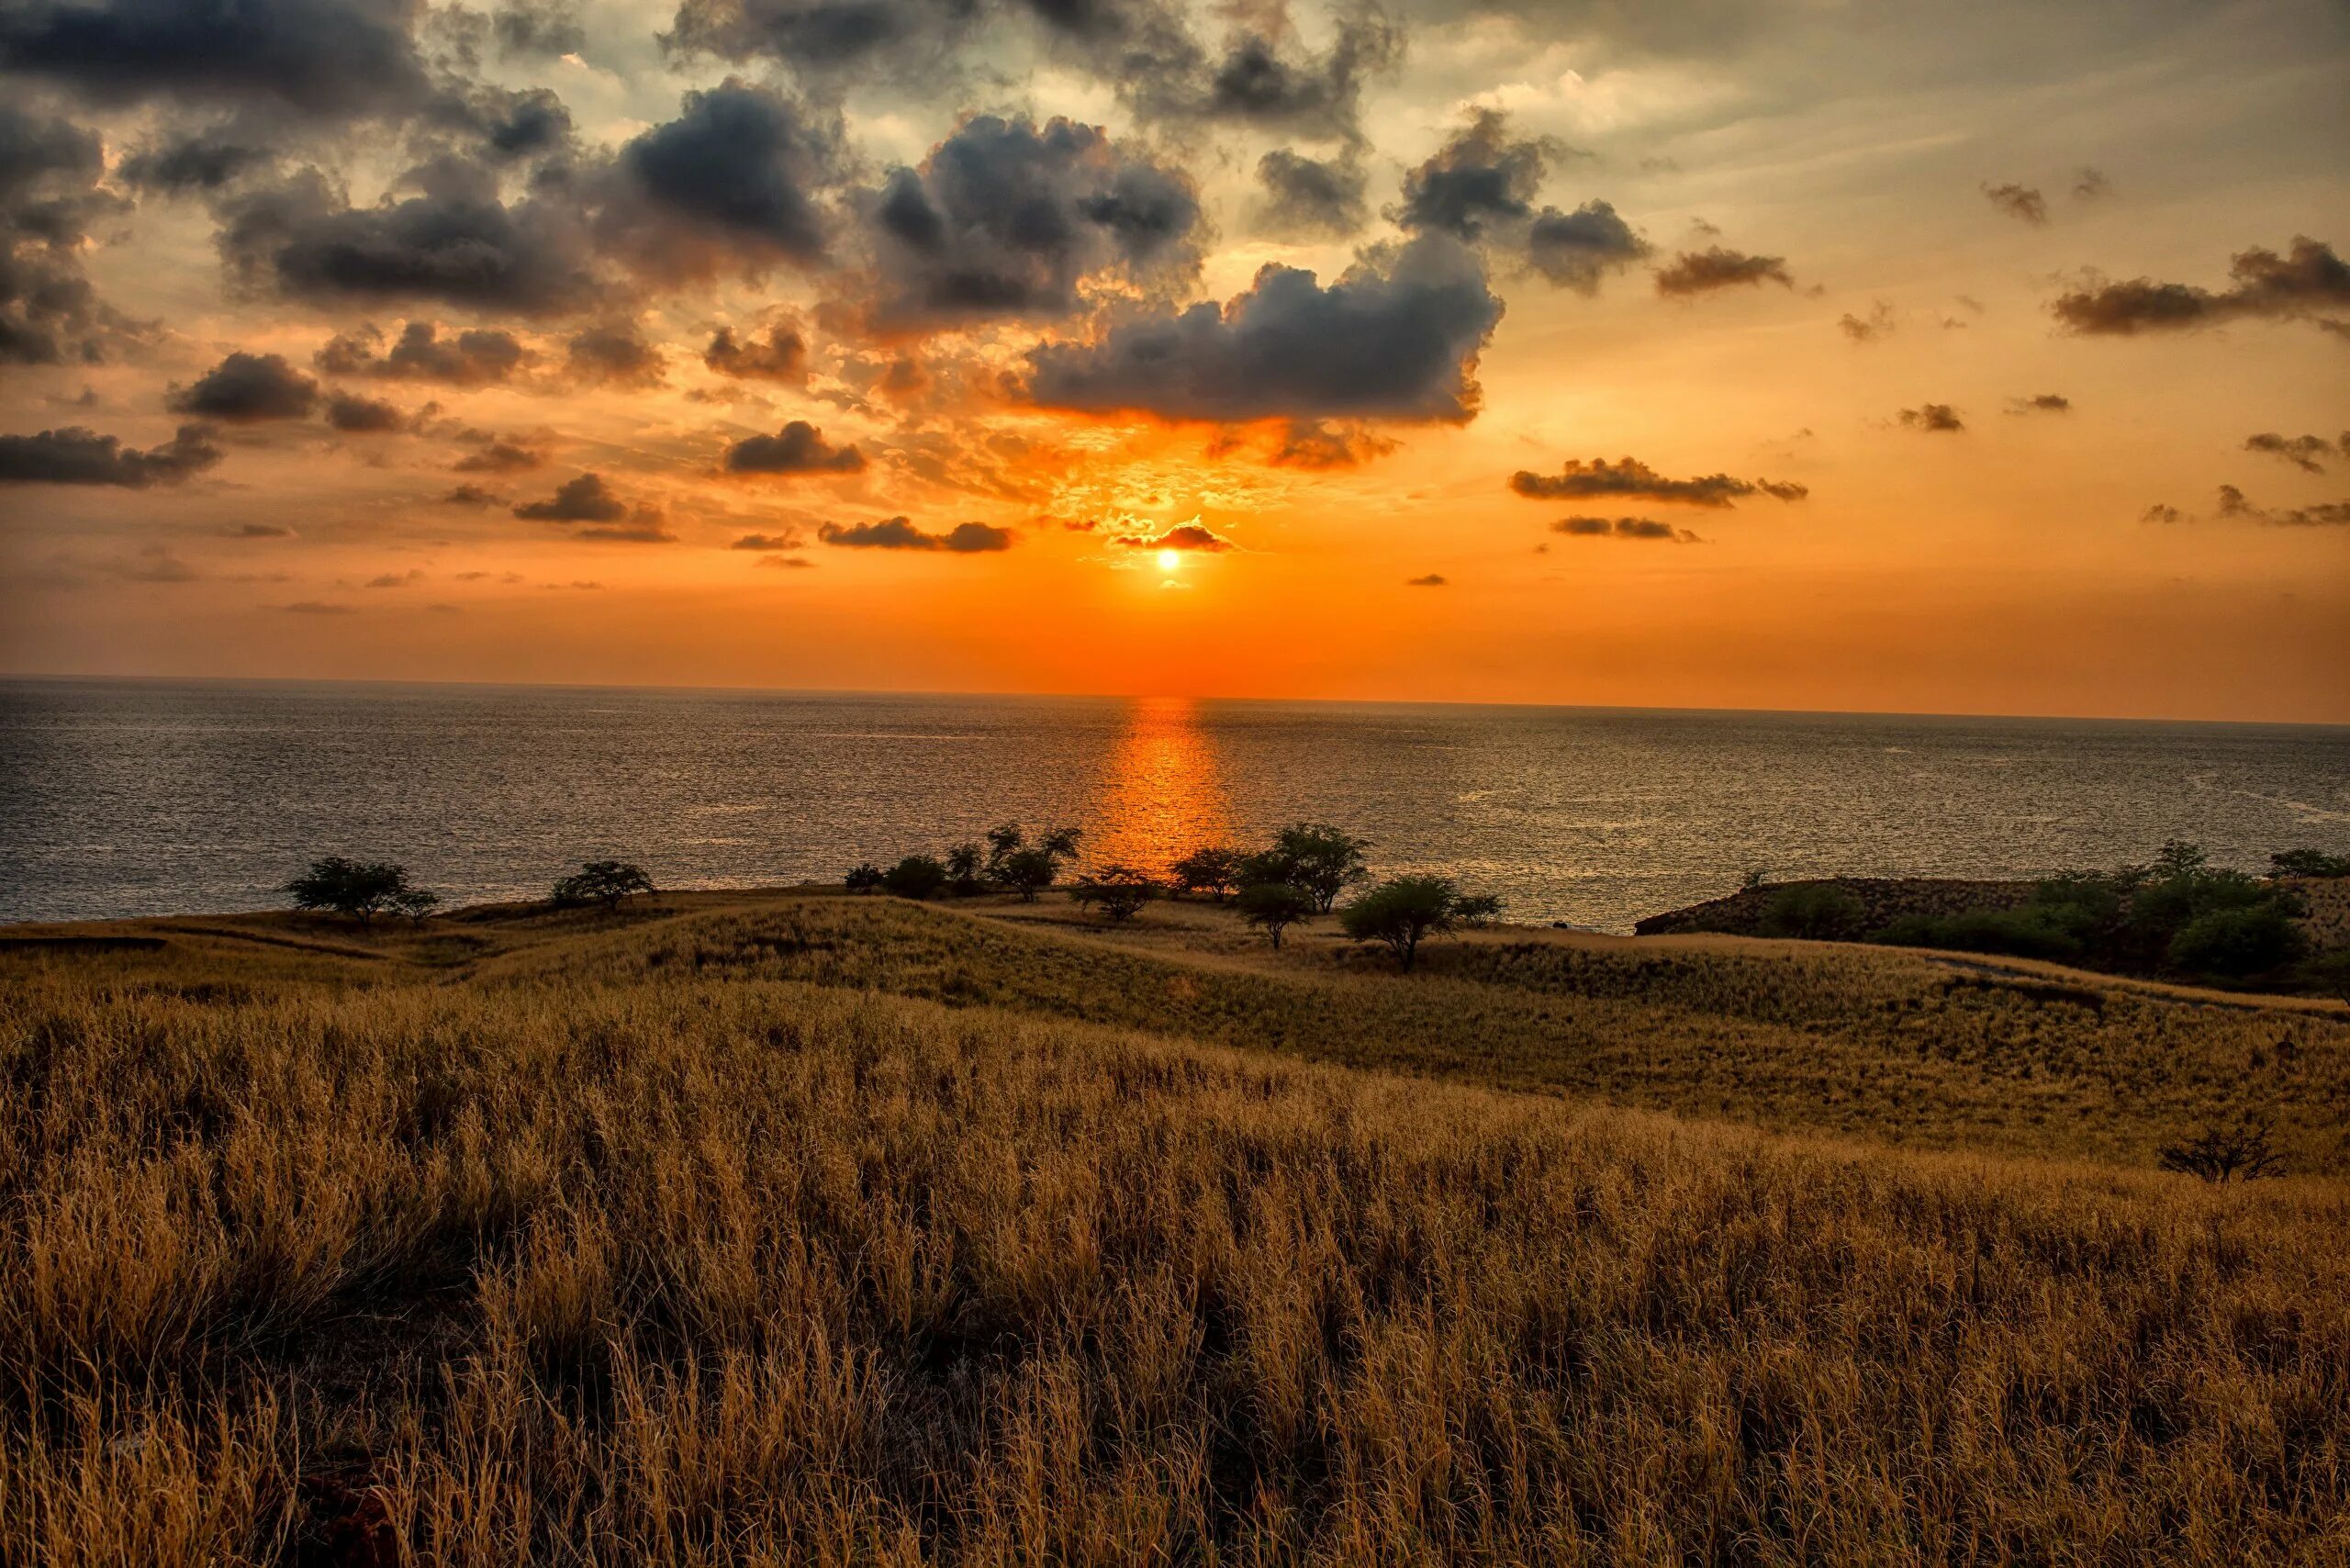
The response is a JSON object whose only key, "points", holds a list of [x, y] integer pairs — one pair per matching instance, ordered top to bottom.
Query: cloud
{"points": [[535, 30], [326, 59], [1261, 75], [500, 123], [203, 160], [1477, 179], [2090, 185], [729, 187], [50, 198], [1312, 198], [2021, 202], [1006, 218], [455, 241], [1575, 250], [1694, 272], [2302, 285], [1878, 323], [1395, 338], [612, 355], [479, 356], [781, 356], [247, 388], [2041, 403], [363, 416], [1932, 417], [1318, 444], [797, 448], [2303, 452], [75, 455], [496, 456], [1629, 476], [472, 496], [588, 499], [2234, 506], [2162, 514], [1640, 528], [258, 531], [898, 534], [1186, 536], [767, 542], [788, 563], [153, 564], [394, 579], [1433, 579], [314, 607]]}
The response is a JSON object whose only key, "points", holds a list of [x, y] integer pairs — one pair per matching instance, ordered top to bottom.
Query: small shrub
{"points": [[915, 877], [359, 889], [1273, 907], [1819, 912]]}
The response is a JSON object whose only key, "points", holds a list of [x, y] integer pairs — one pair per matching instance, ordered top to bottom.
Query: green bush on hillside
{"points": [[1821, 912]]}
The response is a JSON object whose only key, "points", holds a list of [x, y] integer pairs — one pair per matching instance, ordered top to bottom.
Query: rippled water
{"points": [[126, 797]]}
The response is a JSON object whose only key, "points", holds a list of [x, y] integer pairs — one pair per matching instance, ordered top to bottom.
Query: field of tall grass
{"points": [[781, 1230]]}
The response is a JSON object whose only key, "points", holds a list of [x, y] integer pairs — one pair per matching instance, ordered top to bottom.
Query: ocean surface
{"points": [[122, 797]]}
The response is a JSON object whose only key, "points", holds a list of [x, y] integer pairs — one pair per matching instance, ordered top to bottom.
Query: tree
{"points": [[1315, 858], [2308, 863], [962, 864], [1024, 868], [1213, 869], [1028, 872], [864, 876], [915, 877], [603, 881], [360, 889], [1119, 890], [1273, 907], [1477, 911], [1819, 911], [1402, 912], [2238, 942], [2329, 971], [2239, 1150]]}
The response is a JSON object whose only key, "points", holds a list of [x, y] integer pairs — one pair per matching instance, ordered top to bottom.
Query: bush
{"points": [[2308, 863], [1213, 870], [864, 876], [915, 877], [603, 881], [360, 889], [1119, 892], [1273, 907], [1477, 911], [1401, 912], [1821, 912], [2028, 933], [2235, 944], [2329, 973]]}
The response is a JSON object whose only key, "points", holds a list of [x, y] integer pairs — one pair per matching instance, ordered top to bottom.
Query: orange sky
{"points": [[1829, 236]]}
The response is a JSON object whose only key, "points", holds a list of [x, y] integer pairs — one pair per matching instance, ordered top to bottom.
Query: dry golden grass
{"points": [[670, 1238]]}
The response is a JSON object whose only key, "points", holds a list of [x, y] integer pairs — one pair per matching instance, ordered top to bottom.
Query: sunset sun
{"points": [[1169, 560]]}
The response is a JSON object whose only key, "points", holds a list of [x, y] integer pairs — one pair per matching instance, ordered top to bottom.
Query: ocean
{"points": [[121, 798]]}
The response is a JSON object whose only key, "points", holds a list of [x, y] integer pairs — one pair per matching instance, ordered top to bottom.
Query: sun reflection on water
{"points": [[1164, 793]]}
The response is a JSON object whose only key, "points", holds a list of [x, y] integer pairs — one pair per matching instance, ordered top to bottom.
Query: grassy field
{"points": [[782, 1229]]}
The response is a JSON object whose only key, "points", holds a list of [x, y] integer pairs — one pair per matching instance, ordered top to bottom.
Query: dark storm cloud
{"points": [[537, 28], [821, 38], [328, 59], [1260, 74], [505, 124], [205, 160], [1479, 178], [730, 186], [1312, 198], [50, 199], [2018, 202], [1008, 219], [455, 241], [1575, 250], [1704, 272], [2304, 283], [1395, 338], [779, 354], [612, 355], [477, 357], [245, 388], [2041, 403], [354, 415], [1932, 417], [797, 448], [2303, 452], [78, 456], [1630, 477], [1640, 528], [898, 534], [1188, 536]]}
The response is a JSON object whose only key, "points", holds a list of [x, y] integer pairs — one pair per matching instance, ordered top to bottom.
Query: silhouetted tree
{"points": [[1322, 860], [2308, 863], [963, 867], [1028, 868], [1213, 870], [1028, 872], [864, 876], [915, 877], [603, 881], [360, 889], [1119, 892], [1273, 907], [1477, 909], [1402, 912], [2238, 1151]]}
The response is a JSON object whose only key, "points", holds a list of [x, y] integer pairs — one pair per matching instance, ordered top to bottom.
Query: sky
{"points": [[1718, 353]]}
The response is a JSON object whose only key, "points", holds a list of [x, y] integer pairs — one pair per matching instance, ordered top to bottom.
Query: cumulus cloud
{"points": [[1260, 76], [1480, 178], [731, 185], [51, 196], [1312, 198], [2021, 202], [1007, 219], [1575, 250], [1715, 268], [2304, 283], [1396, 337], [779, 354], [612, 355], [477, 356], [246, 388], [2041, 403], [354, 415], [1939, 417], [797, 448], [2306, 452], [75, 456], [1630, 477], [472, 496], [584, 499], [2234, 506], [1642, 528], [898, 534], [1187, 536], [767, 542]]}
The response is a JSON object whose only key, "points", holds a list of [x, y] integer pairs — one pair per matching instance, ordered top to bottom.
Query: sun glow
{"points": [[1170, 559]]}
